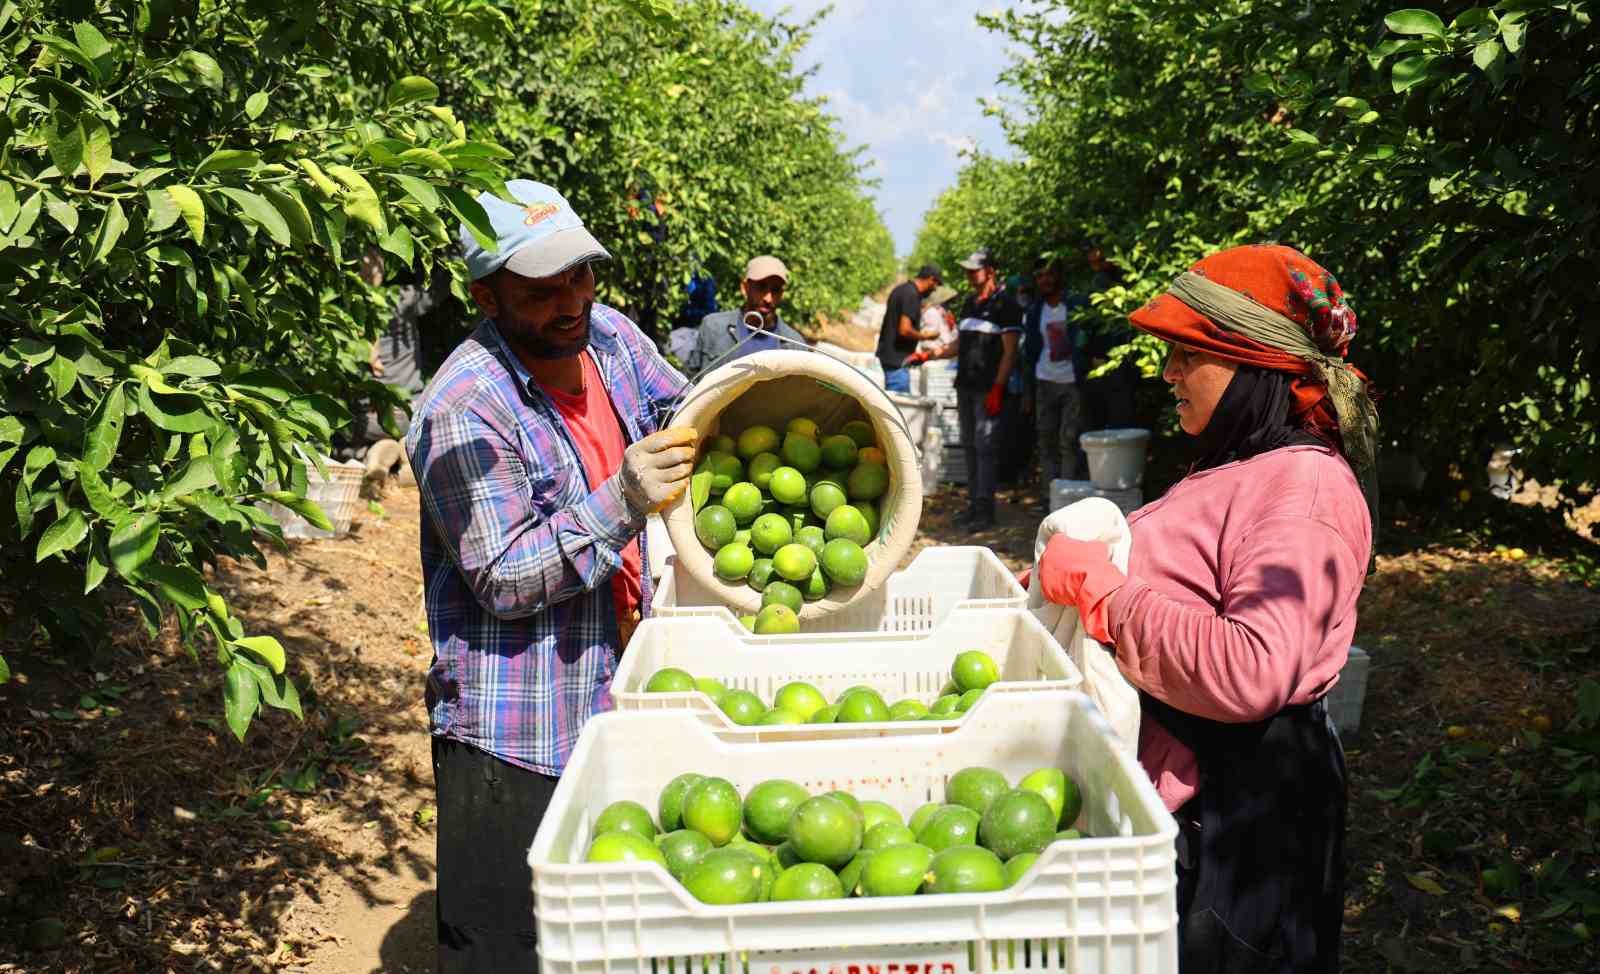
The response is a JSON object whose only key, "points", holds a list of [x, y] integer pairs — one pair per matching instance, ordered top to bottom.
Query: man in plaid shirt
{"points": [[538, 457]]}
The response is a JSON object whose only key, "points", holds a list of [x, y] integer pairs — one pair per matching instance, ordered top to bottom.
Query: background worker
{"points": [[754, 327], [902, 328], [987, 352], [1053, 355], [537, 455]]}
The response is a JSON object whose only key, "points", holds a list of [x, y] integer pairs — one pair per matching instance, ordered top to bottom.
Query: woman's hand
{"points": [[1080, 574]]}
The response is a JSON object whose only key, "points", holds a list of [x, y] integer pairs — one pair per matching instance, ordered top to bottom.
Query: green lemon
{"points": [[802, 426], [859, 431], [756, 440], [721, 443], [839, 452], [801, 453], [760, 469], [726, 470], [868, 481], [787, 485], [825, 497], [744, 501], [869, 510], [847, 523], [715, 526], [770, 532], [742, 536], [812, 537], [733, 562], [794, 562], [844, 562], [760, 574], [816, 587], [780, 592], [777, 620], [749, 622], [974, 670], [670, 679], [711, 688], [802, 698], [966, 701], [945, 706], [742, 707], [860, 708], [908, 710], [826, 715], [778, 716], [976, 788], [1061, 792], [851, 803], [669, 808], [712, 808], [768, 808], [878, 813], [624, 816], [920, 817], [1017, 822], [950, 826], [824, 830], [887, 834], [1067, 835], [624, 847], [682, 850], [784, 854], [1017, 865], [965, 869], [896, 870], [850, 876], [725, 877], [807, 881]]}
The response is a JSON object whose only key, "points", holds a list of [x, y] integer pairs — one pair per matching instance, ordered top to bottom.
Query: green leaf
{"points": [[1414, 21], [1515, 33], [90, 40], [73, 53], [1490, 57], [204, 67], [1407, 72], [412, 88], [255, 105], [1304, 137], [64, 139], [96, 149], [427, 158], [227, 160], [327, 187], [418, 189], [361, 200], [191, 208], [163, 211], [469, 211], [62, 212], [260, 212], [294, 213], [27, 215], [111, 228], [398, 242], [191, 367], [63, 375], [175, 413], [105, 429], [197, 474], [99, 496], [304, 507], [66, 534], [133, 542], [96, 569], [178, 584], [266, 648], [5, 671], [241, 699]]}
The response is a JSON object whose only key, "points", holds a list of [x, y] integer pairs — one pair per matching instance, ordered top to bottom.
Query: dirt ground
{"points": [[147, 839]]}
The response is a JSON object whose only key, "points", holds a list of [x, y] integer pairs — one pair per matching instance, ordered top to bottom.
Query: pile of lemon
{"points": [[790, 516]]}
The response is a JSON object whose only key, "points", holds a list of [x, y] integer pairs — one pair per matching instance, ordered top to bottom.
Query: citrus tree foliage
{"points": [[698, 104], [1442, 162], [185, 190]]}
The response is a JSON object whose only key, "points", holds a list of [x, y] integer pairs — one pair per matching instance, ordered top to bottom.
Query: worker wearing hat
{"points": [[755, 327], [538, 458]]}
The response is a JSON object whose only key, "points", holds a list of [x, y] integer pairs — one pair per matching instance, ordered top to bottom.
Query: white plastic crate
{"points": [[338, 495], [915, 599], [897, 665], [1350, 693], [1091, 906]]}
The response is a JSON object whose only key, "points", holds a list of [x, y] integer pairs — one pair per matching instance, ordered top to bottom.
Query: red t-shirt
{"points": [[592, 421]]}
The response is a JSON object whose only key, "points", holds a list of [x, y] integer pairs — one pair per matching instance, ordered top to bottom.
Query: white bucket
{"points": [[1116, 457]]}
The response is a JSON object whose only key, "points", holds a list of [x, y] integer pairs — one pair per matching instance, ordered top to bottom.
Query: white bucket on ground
{"points": [[1116, 457]]}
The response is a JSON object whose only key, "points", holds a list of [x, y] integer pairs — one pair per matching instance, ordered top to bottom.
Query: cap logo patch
{"points": [[538, 213]]}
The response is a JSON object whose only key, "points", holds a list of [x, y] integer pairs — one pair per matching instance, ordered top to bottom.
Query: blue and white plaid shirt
{"points": [[517, 551]]}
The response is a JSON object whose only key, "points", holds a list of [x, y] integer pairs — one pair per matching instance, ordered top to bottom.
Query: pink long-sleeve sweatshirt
{"points": [[1241, 596]]}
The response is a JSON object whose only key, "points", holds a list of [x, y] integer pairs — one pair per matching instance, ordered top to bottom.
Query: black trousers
{"points": [[488, 813]]}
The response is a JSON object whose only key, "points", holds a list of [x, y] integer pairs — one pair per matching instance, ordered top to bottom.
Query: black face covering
{"points": [[1251, 418]]}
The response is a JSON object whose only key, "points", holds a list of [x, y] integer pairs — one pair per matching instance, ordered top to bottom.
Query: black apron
{"points": [[1261, 845]]}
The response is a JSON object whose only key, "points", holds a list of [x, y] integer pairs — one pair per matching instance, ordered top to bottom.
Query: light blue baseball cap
{"points": [[539, 235]]}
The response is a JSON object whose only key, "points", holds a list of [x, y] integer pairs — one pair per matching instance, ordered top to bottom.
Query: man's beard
{"points": [[530, 342]]}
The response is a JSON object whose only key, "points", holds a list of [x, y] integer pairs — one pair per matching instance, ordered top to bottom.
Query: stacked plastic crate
{"points": [[937, 381]]}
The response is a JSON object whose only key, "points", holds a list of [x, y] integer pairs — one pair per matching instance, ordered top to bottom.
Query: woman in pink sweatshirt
{"points": [[1239, 604]]}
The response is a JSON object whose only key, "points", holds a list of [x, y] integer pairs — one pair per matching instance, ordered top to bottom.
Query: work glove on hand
{"points": [[916, 358], [995, 400], [656, 470], [1080, 574]]}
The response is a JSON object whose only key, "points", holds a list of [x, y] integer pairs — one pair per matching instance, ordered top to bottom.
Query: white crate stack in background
{"points": [[937, 381], [1105, 904]]}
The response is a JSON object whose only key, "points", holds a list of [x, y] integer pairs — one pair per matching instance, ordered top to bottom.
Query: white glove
{"points": [[656, 470]]}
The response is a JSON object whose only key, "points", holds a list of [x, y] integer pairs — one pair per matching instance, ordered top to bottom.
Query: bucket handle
{"points": [[677, 404]]}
